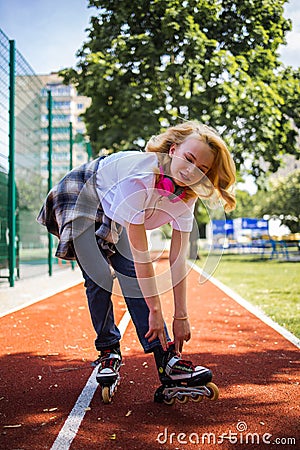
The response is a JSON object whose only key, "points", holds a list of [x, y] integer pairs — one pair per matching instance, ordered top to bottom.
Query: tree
{"points": [[148, 64], [29, 192], [282, 201], [244, 205]]}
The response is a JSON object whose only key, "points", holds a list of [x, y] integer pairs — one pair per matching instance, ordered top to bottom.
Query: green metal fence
{"points": [[4, 106], [36, 147]]}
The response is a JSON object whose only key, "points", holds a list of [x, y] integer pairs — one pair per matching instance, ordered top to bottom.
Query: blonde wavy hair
{"points": [[221, 175]]}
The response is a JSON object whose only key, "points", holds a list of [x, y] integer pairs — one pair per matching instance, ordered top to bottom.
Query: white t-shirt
{"points": [[125, 184]]}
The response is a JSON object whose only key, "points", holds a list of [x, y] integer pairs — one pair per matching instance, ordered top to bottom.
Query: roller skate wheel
{"points": [[214, 391], [106, 395], [197, 398], [182, 399], [169, 402]]}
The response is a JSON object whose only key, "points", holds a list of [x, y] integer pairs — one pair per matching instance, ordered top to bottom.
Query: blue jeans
{"points": [[99, 283]]}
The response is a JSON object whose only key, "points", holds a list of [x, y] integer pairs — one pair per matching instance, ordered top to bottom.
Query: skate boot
{"points": [[108, 375], [182, 380]]}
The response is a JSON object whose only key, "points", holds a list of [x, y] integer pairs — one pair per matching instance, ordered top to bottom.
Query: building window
{"points": [[57, 90], [57, 104], [57, 130]]}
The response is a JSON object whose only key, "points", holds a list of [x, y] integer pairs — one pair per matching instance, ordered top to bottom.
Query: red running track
{"points": [[46, 350]]}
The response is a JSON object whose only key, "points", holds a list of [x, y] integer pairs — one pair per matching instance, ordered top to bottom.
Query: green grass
{"points": [[272, 285]]}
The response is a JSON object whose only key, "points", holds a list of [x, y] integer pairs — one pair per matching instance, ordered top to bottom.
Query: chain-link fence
{"points": [[4, 146], [26, 171], [29, 186]]}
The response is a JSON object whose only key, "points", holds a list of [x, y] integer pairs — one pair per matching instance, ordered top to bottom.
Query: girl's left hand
{"points": [[181, 333]]}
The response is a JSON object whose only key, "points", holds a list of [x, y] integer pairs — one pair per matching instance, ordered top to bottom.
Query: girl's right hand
{"points": [[156, 328]]}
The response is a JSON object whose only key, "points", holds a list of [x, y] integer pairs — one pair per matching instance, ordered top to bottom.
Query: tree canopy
{"points": [[148, 64], [282, 201]]}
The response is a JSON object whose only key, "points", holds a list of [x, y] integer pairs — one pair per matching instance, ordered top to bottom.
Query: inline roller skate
{"points": [[108, 375], [182, 380]]}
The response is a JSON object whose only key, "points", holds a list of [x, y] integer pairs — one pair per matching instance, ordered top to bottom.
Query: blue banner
{"points": [[255, 224], [222, 227]]}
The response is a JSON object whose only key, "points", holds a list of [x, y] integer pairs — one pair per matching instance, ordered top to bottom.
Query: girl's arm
{"points": [[178, 253], [146, 278]]}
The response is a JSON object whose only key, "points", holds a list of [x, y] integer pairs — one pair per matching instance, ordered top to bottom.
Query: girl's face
{"points": [[189, 161]]}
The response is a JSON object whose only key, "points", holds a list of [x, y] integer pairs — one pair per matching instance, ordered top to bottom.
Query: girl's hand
{"points": [[156, 328], [181, 333]]}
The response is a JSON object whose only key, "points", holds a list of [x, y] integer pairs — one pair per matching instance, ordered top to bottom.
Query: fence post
{"points": [[71, 145], [89, 150], [71, 165], [11, 175], [50, 238]]}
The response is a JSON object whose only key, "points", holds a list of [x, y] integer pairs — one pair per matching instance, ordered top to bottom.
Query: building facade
{"points": [[67, 107]]}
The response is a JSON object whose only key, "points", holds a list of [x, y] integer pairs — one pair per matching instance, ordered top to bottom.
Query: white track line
{"points": [[251, 308], [72, 424]]}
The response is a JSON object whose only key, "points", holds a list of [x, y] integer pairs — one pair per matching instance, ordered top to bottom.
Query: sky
{"points": [[48, 33]]}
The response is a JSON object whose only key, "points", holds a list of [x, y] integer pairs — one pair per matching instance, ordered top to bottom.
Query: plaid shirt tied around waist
{"points": [[72, 206]]}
